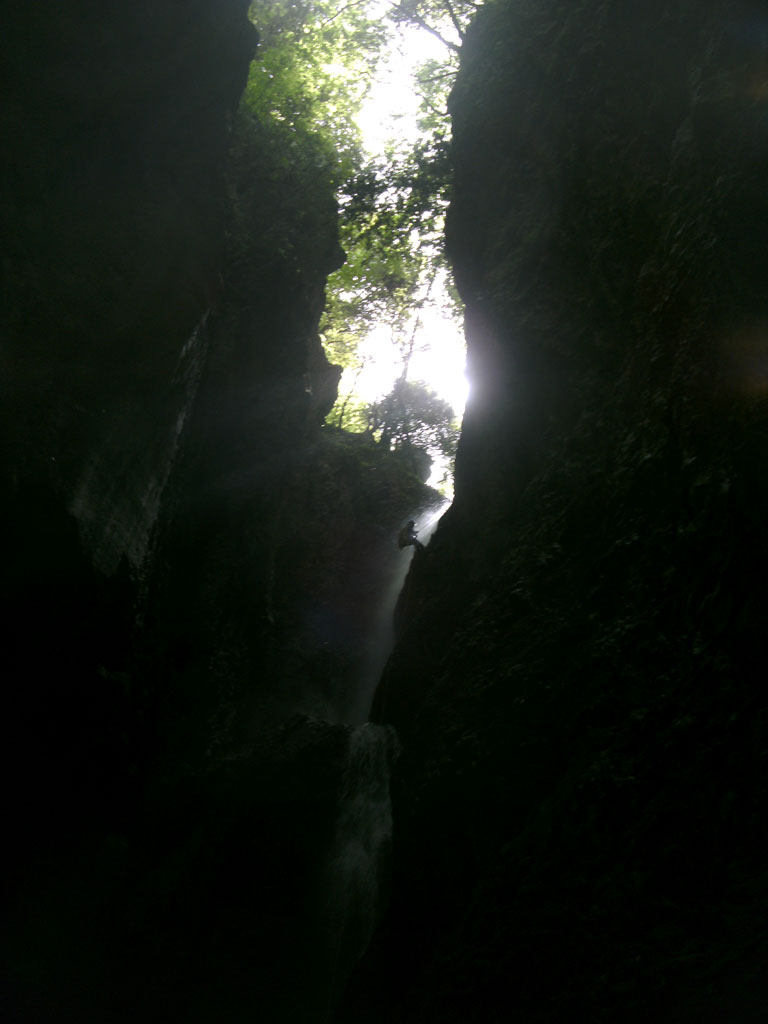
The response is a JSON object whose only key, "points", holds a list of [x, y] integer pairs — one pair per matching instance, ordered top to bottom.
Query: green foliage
{"points": [[446, 20], [314, 64], [312, 69], [295, 140], [281, 189], [393, 211], [392, 216], [353, 415], [413, 415], [411, 420], [420, 427]]}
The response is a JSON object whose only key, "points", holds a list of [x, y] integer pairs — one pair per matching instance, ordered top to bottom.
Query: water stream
{"points": [[383, 633], [359, 863]]}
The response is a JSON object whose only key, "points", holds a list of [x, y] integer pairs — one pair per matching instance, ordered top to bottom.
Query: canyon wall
{"points": [[191, 562], [579, 829]]}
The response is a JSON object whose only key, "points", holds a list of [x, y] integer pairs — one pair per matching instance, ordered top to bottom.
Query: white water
{"points": [[383, 632], [361, 849], [357, 869]]}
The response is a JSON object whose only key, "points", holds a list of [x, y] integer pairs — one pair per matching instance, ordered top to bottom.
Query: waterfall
{"points": [[383, 632], [361, 849], [356, 875]]}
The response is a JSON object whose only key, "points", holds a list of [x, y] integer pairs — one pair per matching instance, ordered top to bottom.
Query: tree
{"points": [[446, 20], [315, 62], [312, 69], [392, 216], [413, 420]]}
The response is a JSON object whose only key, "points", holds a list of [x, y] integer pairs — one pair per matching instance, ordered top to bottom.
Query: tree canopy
{"points": [[315, 62], [313, 67], [412, 418]]}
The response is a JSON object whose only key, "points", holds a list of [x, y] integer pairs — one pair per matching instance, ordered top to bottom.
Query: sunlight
{"points": [[390, 110], [388, 119], [438, 360], [381, 365]]}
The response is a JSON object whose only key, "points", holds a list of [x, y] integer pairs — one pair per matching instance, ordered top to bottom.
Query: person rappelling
{"points": [[407, 536]]}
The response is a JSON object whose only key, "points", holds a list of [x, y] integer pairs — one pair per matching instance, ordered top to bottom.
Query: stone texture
{"points": [[168, 495], [578, 683]]}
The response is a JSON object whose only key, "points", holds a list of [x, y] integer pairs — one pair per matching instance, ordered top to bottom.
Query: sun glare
{"points": [[438, 360]]}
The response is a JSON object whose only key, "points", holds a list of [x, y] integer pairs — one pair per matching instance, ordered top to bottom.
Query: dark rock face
{"points": [[116, 127], [116, 131], [275, 535], [171, 567], [579, 682]]}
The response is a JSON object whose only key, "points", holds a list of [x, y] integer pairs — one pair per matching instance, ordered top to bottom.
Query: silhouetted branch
{"points": [[346, 7], [454, 19], [418, 20]]}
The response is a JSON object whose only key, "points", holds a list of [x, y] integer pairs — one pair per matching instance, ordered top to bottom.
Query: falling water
{"points": [[383, 634], [361, 849], [357, 868]]}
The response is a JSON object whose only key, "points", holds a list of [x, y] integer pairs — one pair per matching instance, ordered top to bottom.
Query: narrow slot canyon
{"points": [[330, 697]]}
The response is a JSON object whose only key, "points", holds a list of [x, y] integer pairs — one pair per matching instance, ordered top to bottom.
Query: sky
{"points": [[388, 114]]}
